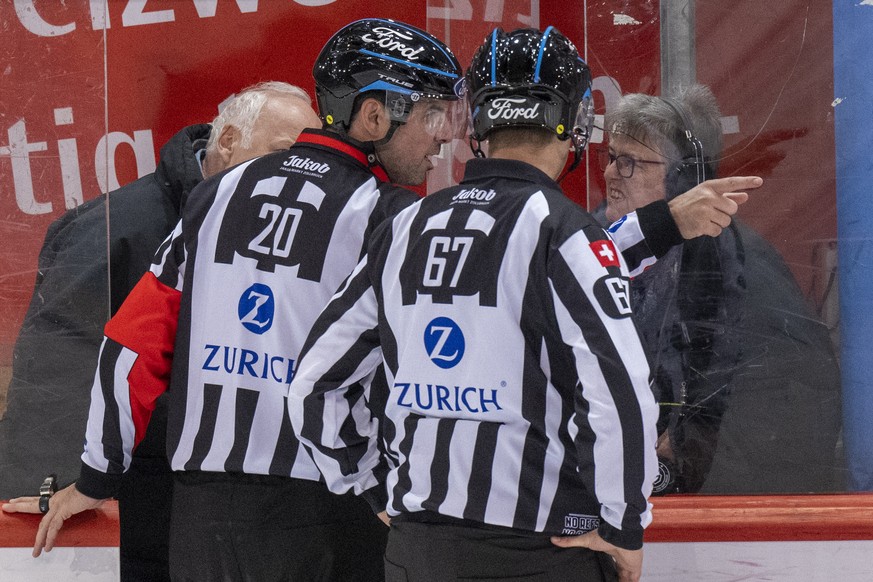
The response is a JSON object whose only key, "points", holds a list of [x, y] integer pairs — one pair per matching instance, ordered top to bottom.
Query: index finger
{"points": [[734, 183], [22, 505], [49, 527], [580, 541], [39, 542]]}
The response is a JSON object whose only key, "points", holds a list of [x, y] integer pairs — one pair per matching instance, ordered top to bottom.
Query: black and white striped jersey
{"points": [[645, 235], [225, 310], [517, 391]]}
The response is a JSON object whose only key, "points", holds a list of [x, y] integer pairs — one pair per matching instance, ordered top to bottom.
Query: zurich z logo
{"points": [[256, 308], [444, 342]]}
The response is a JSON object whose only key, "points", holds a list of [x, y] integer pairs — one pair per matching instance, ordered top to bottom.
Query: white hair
{"points": [[242, 110], [645, 118]]}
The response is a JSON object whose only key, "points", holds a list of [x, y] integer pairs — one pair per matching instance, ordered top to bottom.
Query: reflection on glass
{"points": [[745, 372], [772, 417]]}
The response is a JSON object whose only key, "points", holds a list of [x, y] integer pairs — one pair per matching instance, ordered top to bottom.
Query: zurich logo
{"points": [[461, 87], [617, 224], [256, 308], [444, 342]]}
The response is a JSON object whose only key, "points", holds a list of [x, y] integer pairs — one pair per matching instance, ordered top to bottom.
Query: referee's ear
{"points": [[371, 123]]}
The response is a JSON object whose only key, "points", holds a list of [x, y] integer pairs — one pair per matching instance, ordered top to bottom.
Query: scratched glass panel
{"points": [[91, 91], [53, 300], [743, 330], [744, 336], [777, 405]]}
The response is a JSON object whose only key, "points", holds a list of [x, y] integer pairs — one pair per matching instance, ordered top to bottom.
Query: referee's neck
{"points": [[549, 159]]}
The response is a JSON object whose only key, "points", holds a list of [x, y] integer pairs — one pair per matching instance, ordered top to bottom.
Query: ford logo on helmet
{"points": [[392, 41], [513, 108]]}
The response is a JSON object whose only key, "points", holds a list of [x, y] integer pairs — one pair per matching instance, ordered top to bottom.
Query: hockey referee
{"points": [[219, 322], [515, 437]]}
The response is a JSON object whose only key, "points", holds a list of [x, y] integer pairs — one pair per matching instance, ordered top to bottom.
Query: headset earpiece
{"points": [[694, 168], [681, 177]]}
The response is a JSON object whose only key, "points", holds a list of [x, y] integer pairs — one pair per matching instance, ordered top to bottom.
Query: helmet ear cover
{"points": [[338, 111]]}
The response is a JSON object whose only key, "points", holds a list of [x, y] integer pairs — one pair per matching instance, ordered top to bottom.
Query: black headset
{"points": [[694, 167]]}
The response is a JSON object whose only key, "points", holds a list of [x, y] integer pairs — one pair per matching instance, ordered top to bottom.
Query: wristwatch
{"points": [[48, 488]]}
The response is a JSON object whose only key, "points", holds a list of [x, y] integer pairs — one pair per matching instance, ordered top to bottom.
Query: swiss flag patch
{"points": [[605, 252]]}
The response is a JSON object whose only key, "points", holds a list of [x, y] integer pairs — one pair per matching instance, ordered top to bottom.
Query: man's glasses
{"points": [[624, 164]]}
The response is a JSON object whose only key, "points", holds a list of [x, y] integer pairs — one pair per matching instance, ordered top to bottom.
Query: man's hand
{"points": [[707, 208], [664, 447], [63, 504], [383, 515], [628, 562]]}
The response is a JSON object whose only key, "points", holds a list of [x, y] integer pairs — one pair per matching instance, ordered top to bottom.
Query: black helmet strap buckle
{"points": [[390, 134], [579, 143], [476, 147]]}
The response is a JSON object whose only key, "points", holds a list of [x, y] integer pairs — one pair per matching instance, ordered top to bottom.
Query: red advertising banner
{"points": [[91, 89]]}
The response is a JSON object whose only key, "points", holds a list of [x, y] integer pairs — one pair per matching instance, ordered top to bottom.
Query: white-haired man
{"points": [[224, 310], [57, 348]]}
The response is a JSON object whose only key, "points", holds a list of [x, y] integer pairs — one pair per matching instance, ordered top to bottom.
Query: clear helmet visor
{"points": [[437, 116], [442, 119], [584, 121]]}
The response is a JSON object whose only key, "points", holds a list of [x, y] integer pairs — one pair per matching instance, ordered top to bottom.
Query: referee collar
{"points": [[328, 140], [483, 168]]}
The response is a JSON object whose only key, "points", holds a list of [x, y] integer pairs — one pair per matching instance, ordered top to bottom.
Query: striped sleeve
{"points": [[645, 235], [631, 243], [133, 370], [328, 398], [615, 412]]}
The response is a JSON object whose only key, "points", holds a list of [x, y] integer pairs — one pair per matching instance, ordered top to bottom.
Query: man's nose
{"points": [[443, 133]]}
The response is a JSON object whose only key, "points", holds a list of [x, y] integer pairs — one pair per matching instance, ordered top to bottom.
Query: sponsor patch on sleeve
{"points": [[605, 252]]}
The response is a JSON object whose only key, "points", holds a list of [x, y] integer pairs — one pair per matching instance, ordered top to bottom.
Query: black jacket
{"points": [[56, 351], [743, 368]]}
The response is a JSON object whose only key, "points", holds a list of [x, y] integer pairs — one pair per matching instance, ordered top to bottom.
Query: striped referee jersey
{"points": [[224, 312], [516, 390]]}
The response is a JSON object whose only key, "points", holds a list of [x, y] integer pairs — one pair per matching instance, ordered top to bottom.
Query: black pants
{"points": [[144, 503], [249, 527], [427, 552]]}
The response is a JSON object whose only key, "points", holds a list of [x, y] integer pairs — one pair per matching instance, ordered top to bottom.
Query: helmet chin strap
{"points": [[391, 129], [579, 143], [377, 144], [476, 147]]}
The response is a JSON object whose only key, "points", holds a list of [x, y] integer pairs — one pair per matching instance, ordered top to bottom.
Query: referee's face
{"points": [[406, 157]]}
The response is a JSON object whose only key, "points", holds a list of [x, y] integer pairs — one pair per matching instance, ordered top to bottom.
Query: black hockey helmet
{"points": [[375, 54], [529, 78]]}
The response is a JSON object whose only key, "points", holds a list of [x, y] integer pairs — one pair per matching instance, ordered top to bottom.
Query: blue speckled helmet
{"points": [[374, 54], [530, 78]]}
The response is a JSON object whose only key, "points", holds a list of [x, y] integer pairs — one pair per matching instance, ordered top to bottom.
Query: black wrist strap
{"points": [[48, 488]]}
